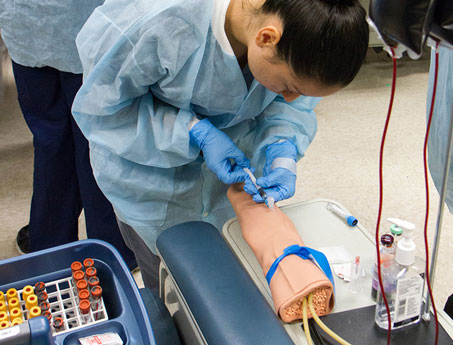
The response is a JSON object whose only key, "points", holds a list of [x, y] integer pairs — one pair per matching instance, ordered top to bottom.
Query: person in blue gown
{"points": [[40, 38], [180, 96]]}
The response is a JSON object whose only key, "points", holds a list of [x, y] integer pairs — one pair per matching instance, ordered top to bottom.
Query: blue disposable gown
{"points": [[42, 33], [149, 68], [443, 112]]}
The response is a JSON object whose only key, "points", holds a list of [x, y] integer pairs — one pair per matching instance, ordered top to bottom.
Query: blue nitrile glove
{"points": [[218, 151], [279, 173]]}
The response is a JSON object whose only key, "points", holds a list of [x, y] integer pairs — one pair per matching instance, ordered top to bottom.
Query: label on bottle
{"points": [[408, 299]]}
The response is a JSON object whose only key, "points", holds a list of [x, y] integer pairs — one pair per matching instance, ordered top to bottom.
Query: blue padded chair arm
{"points": [[226, 304]]}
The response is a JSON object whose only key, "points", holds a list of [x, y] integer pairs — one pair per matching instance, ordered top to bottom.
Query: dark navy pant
{"points": [[63, 181]]}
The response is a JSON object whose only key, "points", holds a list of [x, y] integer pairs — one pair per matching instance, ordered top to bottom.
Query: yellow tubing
{"points": [[305, 320], [322, 325]]}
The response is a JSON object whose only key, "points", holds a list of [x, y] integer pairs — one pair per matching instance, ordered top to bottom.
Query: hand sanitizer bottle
{"points": [[403, 285]]}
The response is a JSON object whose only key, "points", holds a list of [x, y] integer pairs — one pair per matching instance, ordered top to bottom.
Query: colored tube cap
{"points": [[352, 221], [88, 262], [76, 266], [90, 272], [78, 275], [93, 281], [82, 284], [39, 286], [27, 291], [96, 291], [11, 293], [84, 294], [42, 296], [31, 301], [13, 303], [2, 306], [45, 306], [84, 306], [34, 312], [14, 313], [3, 315], [48, 315], [16, 321], [58, 322], [4, 324]]}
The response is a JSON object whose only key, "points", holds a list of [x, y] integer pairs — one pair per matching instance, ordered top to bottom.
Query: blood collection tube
{"points": [[88, 262], [76, 266], [90, 272], [76, 276], [93, 281], [82, 285], [39, 287], [27, 291], [11, 293], [96, 294], [84, 295], [2, 296], [42, 297], [32, 301], [13, 303], [2, 306], [45, 306], [84, 307], [34, 312], [15, 313], [48, 315], [4, 316], [16, 321], [4, 324], [58, 324]]}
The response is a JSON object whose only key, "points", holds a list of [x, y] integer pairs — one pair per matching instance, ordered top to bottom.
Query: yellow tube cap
{"points": [[27, 291], [11, 293], [31, 301], [34, 312], [15, 313], [16, 321]]}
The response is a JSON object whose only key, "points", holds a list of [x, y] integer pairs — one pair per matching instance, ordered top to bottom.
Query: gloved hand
{"points": [[218, 151], [279, 173]]}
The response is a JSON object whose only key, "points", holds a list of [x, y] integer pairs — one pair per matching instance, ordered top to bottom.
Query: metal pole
{"points": [[426, 315]]}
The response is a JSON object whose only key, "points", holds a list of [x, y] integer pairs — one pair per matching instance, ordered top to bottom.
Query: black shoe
{"points": [[22, 240]]}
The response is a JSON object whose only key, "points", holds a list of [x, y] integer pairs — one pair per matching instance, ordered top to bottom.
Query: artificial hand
{"points": [[219, 151], [279, 173]]}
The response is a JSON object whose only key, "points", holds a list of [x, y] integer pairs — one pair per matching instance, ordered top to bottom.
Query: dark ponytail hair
{"points": [[325, 40]]}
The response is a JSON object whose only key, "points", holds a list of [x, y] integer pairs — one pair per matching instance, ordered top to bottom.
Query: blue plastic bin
{"points": [[127, 314]]}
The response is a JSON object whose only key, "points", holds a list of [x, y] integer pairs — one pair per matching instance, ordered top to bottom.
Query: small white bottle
{"points": [[403, 286]]}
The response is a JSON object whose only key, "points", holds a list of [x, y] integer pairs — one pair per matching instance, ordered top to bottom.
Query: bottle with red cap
{"points": [[88, 262], [76, 266], [90, 272], [76, 277], [93, 281], [40, 287], [84, 294], [96, 298], [84, 307], [58, 324]]}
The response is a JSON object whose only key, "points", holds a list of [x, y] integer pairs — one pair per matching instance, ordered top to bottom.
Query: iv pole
{"points": [[426, 316]]}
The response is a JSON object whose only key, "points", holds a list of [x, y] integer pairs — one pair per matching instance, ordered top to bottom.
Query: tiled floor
{"points": [[341, 164]]}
